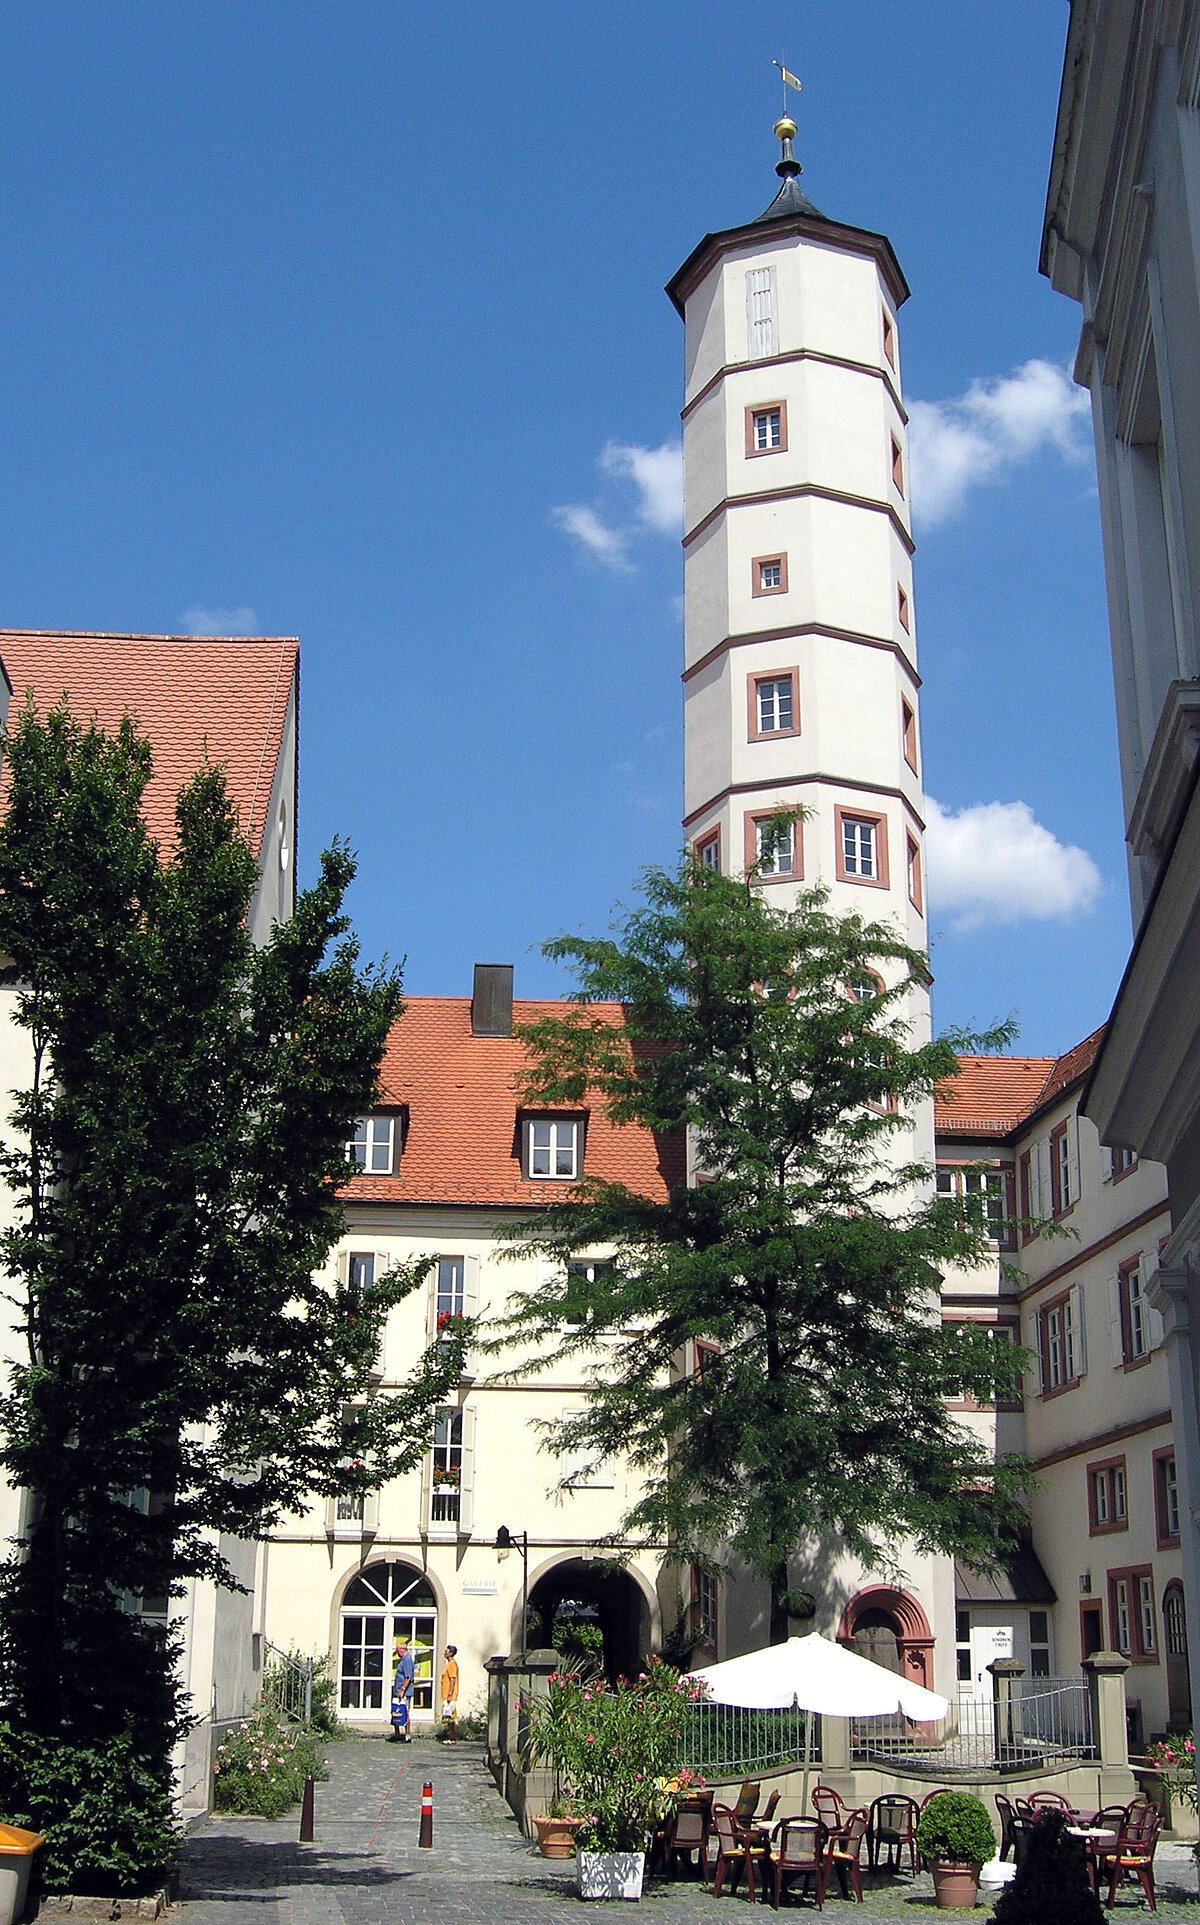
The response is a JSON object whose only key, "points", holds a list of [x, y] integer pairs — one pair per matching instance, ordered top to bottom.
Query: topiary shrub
{"points": [[105, 1811], [955, 1828], [1051, 1886]]}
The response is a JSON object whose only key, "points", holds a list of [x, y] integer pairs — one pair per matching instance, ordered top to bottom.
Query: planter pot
{"points": [[556, 1836], [16, 1862], [611, 1874], [955, 1886]]}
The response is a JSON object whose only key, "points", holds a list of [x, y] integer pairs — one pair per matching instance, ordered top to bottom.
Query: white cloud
{"points": [[982, 435], [657, 474], [584, 524], [608, 529], [220, 621], [995, 863]]}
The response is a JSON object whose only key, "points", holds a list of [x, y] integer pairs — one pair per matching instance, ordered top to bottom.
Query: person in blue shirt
{"points": [[403, 1680]]}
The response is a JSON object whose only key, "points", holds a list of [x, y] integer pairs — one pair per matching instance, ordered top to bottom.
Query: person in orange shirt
{"points": [[449, 1693]]}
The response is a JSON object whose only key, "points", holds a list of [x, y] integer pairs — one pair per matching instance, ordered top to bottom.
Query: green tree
{"points": [[179, 1140], [809, 1253]]}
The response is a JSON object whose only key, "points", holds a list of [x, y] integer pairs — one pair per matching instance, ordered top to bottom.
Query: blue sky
{"points": [[314, 318]]}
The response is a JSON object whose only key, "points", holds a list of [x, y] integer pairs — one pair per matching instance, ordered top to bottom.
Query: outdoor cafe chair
{"points": [[747, 1800], [1050, 1801], [830, 1806], [768, 1810], [1006, 1814], [893, 1823], [688, 1834], [735, 1849], [797, 1851], [842, 1852], [1132, 1856]]}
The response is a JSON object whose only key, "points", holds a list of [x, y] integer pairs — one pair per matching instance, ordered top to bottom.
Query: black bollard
{"points": [[306, 1814]]}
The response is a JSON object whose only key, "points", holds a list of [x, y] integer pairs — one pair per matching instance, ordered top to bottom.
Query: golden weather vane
{"points": [[789, 80]]}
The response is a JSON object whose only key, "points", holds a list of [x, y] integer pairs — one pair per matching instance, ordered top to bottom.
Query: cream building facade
{"points": [[1122, 238], [449, 1162], [1078, 1232]]}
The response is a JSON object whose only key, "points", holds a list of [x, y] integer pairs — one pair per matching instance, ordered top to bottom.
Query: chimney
{"points": [[491, 1000]]}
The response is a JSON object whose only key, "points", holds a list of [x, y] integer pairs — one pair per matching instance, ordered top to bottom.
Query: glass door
{"points": [[382, 1604]]}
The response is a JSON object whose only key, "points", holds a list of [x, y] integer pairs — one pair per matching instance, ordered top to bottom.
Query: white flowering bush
{"points": [[262, 1765]]}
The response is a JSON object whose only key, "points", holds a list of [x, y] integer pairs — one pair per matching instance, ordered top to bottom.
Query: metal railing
{"points": [[288, 1684], [1032, 1722], [728, 1741]]}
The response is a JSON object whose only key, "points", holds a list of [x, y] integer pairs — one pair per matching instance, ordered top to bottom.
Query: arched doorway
{"points": [[382, 1603], [579, 1606], [890, 1628], [1175, 1649]]}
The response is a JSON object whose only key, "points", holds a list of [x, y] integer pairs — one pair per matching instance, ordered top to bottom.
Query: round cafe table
{"points": [[1093, 1838]]}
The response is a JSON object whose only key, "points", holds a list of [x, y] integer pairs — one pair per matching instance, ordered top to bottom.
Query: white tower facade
{"points": [[800, 677]]}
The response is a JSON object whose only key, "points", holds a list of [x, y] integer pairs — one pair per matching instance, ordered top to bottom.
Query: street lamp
{"points": [[506, 1540]]}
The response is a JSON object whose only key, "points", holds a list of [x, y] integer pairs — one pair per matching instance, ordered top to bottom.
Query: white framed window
{"points": [[761, 336], [768, 429], [770, 574], [776, 707], [859, 846], [774, 847], [708, 849], [372, 1146], [552, 1148], [360, 1270], [588, 1280], [455, 1292], [1060, 1343], [582, 1468], [448, 1475], [1120, 1614], [1147, 1617], [1039, 1644]]}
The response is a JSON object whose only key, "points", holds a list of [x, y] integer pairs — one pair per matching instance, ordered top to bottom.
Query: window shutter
{"points": [[760, 313], [1073, 1156], [1106, 1163], [1043, 1185], [381, 1263], [343, 1270], [550, 1273], [470, 1286], [1154, 1322], [1078, 1333], [1116, 1334], [1039, 1344], [571, 1461], [426, 1484], [466, 1485], [370, 1522]]}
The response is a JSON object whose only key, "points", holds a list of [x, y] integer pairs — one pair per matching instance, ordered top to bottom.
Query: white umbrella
{"points": [[814, 1674]]}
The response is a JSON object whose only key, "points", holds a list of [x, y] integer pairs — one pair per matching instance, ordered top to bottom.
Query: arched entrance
{"points": [[382, 1603], [577, 1606], [890, 1628], [1175, 1649]]}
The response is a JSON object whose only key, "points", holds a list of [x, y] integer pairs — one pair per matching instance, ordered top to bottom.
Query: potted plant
{"points": [[614, 1752], [955, 1837]]}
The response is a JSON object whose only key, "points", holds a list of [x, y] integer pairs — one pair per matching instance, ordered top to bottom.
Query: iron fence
{"points": [[288, 1684], [1036, 1721], [728, 1741]]}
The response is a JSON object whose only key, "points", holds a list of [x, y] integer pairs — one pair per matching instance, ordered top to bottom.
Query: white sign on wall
{"points": [[479, 1587]]}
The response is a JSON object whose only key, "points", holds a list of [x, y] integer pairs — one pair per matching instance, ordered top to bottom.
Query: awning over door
{"points": [[1020, 1579]]}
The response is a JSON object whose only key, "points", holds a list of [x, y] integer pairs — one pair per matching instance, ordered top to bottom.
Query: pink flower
{"points": [[590, 1739]]}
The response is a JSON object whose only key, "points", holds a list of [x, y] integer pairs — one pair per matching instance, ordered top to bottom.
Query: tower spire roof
{"points": [[791, 198]]}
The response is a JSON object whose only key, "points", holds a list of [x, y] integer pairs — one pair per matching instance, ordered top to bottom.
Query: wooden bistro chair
{"points": [[747, 1800], [1050, 1801], [830, 1807], [893, 1825], [688, 1834], [736, 1849], [797, 1851], [842, 1853], [1133, 1854]]}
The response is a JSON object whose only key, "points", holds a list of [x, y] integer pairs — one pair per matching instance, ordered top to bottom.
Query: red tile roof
{"points": [[215, 701], [460, 1093], [992, 1095]]}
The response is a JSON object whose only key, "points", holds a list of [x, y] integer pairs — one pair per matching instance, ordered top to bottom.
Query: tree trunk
{"points": [[778, 1581]]}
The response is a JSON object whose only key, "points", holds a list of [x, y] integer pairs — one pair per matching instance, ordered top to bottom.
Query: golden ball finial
{"points": [[785, 128]]}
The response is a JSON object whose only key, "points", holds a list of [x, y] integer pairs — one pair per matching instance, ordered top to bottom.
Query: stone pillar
{"points": [[1105, 1673], [1006, 1705], [835, 1745]]}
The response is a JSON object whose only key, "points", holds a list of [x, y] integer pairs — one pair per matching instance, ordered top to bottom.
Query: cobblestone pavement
{"points": [[365, 1867]]}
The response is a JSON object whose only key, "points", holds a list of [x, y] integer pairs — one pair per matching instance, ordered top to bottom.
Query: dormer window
{"points": [[375, 1145], [552, 1148]]}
